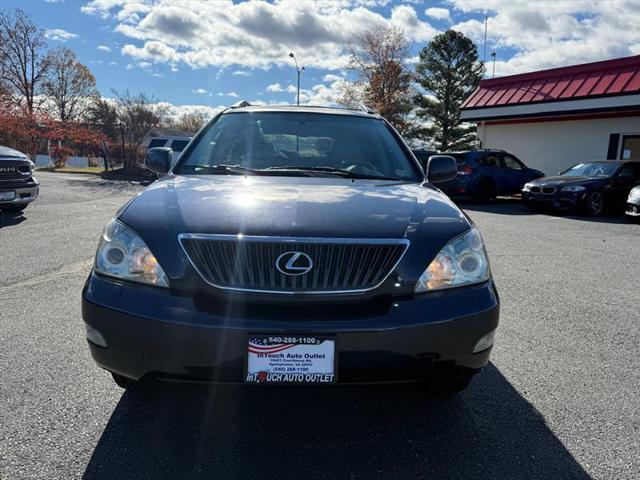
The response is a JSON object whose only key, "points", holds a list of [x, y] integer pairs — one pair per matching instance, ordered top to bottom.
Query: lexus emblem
{"points": [[294, 263]]}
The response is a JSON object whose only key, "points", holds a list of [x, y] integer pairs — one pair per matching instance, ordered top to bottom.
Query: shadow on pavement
{"points": [[501, 206], [513, 206], [8, 219], [489, 431]]}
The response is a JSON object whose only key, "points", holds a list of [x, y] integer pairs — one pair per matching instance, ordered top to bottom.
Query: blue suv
{"points": [[484, 174]]}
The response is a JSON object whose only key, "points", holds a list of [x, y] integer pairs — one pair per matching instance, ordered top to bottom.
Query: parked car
{"points": [[177, 144], [423, 155], [484, 174], [18, 186], [590, 187], [633, 203], [293, 245]]}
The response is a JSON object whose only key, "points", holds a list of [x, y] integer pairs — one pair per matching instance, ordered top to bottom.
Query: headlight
{"points": [[527, 187], [576, 188], [634, 195], [122, 254], [462, 261]]}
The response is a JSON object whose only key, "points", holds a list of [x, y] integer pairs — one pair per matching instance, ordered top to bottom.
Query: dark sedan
{"points": [[590, 187], [292, 245]]}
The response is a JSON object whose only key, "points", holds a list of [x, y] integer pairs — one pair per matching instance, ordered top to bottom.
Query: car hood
{"points": [[7, 153], [562, 180], [289, 207]]}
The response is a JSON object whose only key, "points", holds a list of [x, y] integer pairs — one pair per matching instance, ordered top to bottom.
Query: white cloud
{"points": [[129, 10], [438, 13], [406, 18], [59, 34], [254, 34], [548, 34], [259, 35], [104, 48], [331, 78], [275, 87], [200, 91], [228, 94], [174, 112]]}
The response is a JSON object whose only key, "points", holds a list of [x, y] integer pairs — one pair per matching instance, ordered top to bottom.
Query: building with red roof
{"points": [[552, 119]]}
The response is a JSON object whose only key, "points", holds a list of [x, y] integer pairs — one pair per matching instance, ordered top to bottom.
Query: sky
{"points": [[200, 55]]}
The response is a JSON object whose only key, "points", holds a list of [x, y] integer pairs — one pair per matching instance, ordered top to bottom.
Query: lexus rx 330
{"points": [[292, 245]]}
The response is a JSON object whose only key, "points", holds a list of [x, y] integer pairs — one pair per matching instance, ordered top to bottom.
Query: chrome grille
{"points": [[13, 170], [535, 190], [548, 190], [248, 263]]}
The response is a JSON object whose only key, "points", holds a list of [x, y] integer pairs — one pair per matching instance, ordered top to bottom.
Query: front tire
{"points": [[485, 191], [594, 204], [532, 206], [127, 383], [448, 386]]}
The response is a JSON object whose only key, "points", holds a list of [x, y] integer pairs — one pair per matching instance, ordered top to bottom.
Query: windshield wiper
{"points": [[224, 169], [332, 171]]}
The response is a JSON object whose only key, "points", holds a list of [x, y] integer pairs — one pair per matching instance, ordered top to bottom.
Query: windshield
{"points": [[292, 143], [600, 169]]}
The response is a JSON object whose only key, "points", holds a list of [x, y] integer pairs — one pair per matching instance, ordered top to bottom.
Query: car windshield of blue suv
{"points": [[301, 144], [599, 169]]}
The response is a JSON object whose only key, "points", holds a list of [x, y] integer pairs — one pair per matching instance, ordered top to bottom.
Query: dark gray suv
{"points": [[18, 186], [292, 245]]}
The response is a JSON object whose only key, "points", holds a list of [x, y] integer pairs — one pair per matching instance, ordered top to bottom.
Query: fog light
{"points": [[94, 336], [484, 342]]}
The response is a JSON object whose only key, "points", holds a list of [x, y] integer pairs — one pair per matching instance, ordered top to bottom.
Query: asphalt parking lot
{"points": [[561, 398]]}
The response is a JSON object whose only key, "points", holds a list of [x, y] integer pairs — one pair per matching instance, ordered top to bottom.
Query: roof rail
{"points": [[241, 104]]}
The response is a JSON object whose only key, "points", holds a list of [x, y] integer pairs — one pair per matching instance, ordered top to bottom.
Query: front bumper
{"points": [[24, 191], [559, 200], [633, 209], [150, 332]]}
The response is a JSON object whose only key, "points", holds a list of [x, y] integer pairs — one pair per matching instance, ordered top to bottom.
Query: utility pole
{"points": [[484, 47], [298, 71]]}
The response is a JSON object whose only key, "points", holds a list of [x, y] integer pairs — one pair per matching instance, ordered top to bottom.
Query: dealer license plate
{"points": [[7, 196], [290, 359]]}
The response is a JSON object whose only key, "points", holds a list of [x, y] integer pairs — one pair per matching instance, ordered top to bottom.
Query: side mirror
{"points": [[158, 159], [441, 168]]}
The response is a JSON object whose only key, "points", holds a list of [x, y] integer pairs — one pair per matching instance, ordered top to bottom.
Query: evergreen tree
{"points": [[448, 71]]}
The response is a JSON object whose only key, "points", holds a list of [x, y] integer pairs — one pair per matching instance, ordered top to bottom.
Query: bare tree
{"points": [[23, 63], [383, 82], [69, 85], [138, 114], [104, 115], [191, 123]]}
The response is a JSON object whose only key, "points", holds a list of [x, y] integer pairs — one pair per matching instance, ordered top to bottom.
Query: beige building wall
{"points": [[554, 146]]}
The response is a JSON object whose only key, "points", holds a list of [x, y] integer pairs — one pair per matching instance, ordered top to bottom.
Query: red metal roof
{"points": [[620, 76]]}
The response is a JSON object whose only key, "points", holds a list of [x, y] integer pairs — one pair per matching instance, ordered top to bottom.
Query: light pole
{"points": [[299, 71]]}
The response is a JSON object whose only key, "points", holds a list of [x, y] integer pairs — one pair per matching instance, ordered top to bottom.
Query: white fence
{"points": [[45, 161]]}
